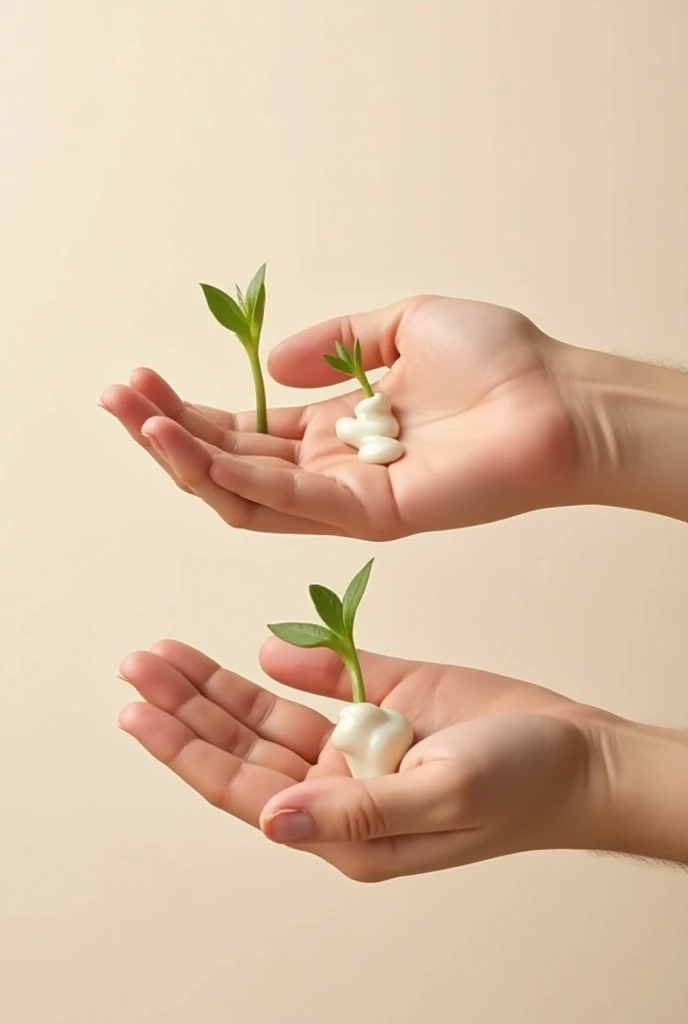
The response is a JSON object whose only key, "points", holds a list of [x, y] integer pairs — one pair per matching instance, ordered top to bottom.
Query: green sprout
{"points": [[244, 318], [350, 363], [337, 633]]}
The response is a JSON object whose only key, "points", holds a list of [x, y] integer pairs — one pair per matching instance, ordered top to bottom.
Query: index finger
{"points": [[298, 361], [322, 672]]}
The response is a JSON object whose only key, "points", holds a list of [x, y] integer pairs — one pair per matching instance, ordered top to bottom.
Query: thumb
{"points": [[298, 361], [425, 799]]}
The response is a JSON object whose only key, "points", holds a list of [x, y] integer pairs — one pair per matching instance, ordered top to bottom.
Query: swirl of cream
{"points": [[373, 430]]}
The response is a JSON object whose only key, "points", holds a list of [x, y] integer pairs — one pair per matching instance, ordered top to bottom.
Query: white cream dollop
{"points": [[373, 430], [373, 740]]}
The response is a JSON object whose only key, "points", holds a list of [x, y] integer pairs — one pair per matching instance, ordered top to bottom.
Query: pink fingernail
{"points": [[289, 827]]}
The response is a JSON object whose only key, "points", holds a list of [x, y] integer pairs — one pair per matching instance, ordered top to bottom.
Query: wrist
{"points": [[630, 422], [641, 807]]}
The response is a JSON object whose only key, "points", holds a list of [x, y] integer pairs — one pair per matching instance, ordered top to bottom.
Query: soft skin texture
{"points": [[497, 419], [499, 766]]}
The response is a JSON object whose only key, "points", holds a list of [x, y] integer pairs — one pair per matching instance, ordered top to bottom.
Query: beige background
{"points": [[531, 153]]}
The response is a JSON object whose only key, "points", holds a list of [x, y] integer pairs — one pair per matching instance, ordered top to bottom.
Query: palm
{"points": [[482, 424], [239, 746]]}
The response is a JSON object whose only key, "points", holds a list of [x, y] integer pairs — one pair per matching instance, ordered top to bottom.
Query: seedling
{"points": [[244, 318], [350, 363], [373, 429], [337, 632], [372, 740]]}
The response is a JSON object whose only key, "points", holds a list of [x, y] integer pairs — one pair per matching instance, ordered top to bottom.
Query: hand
{"points": [[487, 427], [499, 766]]}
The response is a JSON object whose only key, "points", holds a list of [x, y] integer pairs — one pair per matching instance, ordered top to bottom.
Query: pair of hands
{"points": [[490, 431]]}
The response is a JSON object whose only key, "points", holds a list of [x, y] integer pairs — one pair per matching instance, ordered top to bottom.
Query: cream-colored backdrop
{"points": [[532, 153]]}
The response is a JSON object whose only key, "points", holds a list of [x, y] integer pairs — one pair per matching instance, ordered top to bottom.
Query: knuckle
{"points": [[228, 441], [288, 494], [237, 513], [261, 707], [215, 797], [361, 820]]}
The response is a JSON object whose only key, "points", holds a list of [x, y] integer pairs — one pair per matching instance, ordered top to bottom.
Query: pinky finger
{"points": [[191, 462], [290, 491]]}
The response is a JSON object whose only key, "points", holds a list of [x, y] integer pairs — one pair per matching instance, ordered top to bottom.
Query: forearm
{"points": [[631, 424], [642, 808]]}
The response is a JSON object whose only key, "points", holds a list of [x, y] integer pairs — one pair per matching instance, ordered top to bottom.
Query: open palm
{"points": [[486, 430], [497, 765]]}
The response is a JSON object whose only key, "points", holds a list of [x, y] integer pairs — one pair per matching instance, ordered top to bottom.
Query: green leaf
{"points": [[240, 298], [255, 301], [225, 310], [259, 314], [343, 353], [357, 356], [337, 364], [353, 594], [328, 606], [304, 634]]}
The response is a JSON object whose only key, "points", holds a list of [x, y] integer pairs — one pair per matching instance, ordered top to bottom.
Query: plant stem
{"points": [[365, 384], [259, 387], [353, 666]]}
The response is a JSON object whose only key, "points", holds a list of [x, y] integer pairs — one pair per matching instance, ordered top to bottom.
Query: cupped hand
{"points": [[488, 430], [499, 766]]}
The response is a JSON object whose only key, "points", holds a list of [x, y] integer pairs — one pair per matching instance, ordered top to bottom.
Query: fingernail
{"points": [[154, 443], [289, 827]]}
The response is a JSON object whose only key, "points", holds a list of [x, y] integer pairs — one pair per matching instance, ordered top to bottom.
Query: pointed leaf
{"points": [[255, 285], [240, 298], [255, 301], [225, 310], [258, 314], [343, 353], [357, 356], [337, 364], [354, 593], [328, 606], [303, 634]]}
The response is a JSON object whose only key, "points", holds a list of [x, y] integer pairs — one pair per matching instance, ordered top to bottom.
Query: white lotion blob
{"points": [[373, 430], [373, 740]]}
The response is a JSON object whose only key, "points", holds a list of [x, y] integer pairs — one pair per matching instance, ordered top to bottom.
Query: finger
{"points": [[298, 361], [132, 410], [284, 423], [225, 435], [191, 461], [291, 491], [322, 672], [161, 684], [281, 721], [222, 779], [426, 799]]}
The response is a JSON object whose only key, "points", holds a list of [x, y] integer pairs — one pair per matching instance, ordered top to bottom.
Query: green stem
{"points": [[365, 384], [259, 388], [353, 666]]}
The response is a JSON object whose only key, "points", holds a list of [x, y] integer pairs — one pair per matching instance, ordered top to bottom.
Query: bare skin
{"points": [[498, 419], [486, 427], [499, 765]]}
